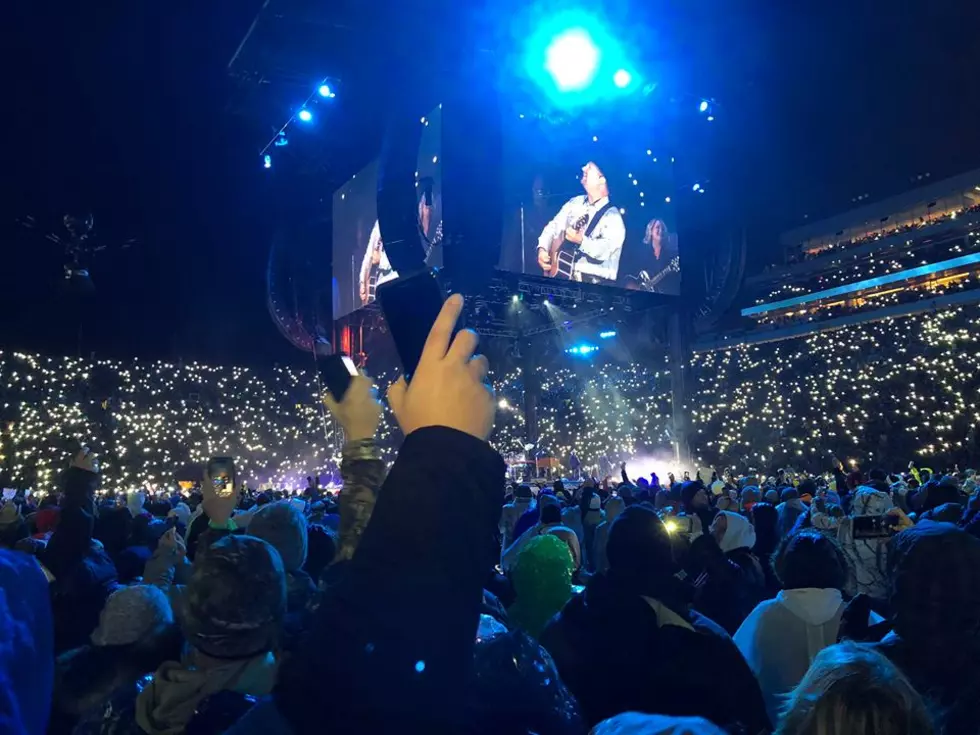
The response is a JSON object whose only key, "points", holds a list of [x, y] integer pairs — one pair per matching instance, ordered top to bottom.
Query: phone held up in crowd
{"points": [[410, 306], [221, 470]]}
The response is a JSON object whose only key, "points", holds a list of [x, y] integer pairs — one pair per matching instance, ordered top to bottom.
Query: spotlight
{"points": [[572, 58], [622, 78], [325, 90], [703, 107], [305, 115], [711, 118], [281, 140], [267, 161], [696, 187], [515, 299], [607, 334]]}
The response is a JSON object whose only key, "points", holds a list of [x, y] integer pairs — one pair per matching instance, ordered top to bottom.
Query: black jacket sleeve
{"points": [[72, 537], [393, 639]]}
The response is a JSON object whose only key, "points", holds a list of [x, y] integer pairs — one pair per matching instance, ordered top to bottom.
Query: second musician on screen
{"points": [[585, 239]]}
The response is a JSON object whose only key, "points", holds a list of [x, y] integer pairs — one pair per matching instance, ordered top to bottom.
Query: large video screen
{"points": [[580, 209], [360, 263]]}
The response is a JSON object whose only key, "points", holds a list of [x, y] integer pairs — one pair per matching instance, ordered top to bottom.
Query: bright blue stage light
{"points": [[572, 59], [622, 78], [325, 90], [703, 107], [305, 115], [267, 161], [696, 187], [609, 334], [582, 349]]}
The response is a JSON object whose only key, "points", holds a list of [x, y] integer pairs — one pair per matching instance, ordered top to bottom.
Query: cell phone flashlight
{"points": [[410, 307], [336, 373], [221, 470]]}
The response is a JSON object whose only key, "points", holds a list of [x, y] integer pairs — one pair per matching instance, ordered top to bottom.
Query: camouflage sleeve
{"points": [[363, 471]]}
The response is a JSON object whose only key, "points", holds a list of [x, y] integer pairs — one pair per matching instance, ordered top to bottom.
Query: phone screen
{"points": [[410, 306], [336, 373], [221, 470], [871, 526]]}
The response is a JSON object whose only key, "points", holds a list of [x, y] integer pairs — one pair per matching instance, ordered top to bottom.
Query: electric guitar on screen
{"points": [[563, 253], [643, 281]]}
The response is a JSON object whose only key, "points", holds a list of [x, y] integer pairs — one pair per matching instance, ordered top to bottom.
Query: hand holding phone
{"points": [[411, 307], [336, 373], [449, 387], [359, 412], [218, 489]]}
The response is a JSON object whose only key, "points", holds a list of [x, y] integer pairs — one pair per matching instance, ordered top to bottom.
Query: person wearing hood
{"points": [[695, 501], [614, 507], [788, 511], [511, 513], [764, 518], [283, 526], [866, 556], [542, 579], [729, 580], [934, 596], [234, 605], [136, 634], [781, 637], [664, 653]]}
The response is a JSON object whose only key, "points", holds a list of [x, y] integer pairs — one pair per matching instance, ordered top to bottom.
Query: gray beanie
{"points": [[283, 526], [235, 599], [130, 614]]}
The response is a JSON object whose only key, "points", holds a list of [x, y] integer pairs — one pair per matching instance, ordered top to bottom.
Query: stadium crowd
{"points": [[430, 596]]}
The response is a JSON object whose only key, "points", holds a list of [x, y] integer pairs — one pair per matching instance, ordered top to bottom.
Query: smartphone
{"points": [[410, 307], [336, 373], [221, 470], [873, 526]]}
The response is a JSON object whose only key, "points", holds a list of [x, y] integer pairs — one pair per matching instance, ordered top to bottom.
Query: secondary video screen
{"points": [[582, 210], [360, 263]]}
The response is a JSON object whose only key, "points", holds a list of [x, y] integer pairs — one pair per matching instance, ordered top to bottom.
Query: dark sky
{"points": [[127, 110]]}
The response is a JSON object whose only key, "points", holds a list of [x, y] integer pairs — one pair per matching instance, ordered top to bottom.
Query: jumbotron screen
{"points": [[582, 209], [360, 263]]}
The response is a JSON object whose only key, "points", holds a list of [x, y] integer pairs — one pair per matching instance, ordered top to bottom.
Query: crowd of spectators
{"points": [[882, 391], [432, 596]]}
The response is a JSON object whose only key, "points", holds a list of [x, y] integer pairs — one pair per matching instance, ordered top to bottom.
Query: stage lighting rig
{"points": [[75, 235]]}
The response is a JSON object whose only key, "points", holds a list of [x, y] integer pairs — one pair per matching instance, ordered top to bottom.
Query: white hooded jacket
{"points": [[781, 637]]}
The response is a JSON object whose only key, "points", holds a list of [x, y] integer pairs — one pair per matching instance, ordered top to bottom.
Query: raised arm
{"points": [[359, 413], [73, 535], [393, 639]]}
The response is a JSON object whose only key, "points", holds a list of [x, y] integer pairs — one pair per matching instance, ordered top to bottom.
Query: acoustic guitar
{"points": [[563, 253]]}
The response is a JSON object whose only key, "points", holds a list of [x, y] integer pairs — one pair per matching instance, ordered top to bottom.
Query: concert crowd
{"points": [[434, 596]]}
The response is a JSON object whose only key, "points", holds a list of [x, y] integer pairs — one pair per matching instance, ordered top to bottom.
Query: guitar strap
{"points": [[596, 217]]}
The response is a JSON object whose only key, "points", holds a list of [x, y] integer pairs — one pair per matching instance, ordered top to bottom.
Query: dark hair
{"points": [[789, 493], [550, 514], [810, 559]]}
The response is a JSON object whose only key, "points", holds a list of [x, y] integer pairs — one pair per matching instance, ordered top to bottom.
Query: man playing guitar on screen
{"points": [[585, 239], [375, 266]]}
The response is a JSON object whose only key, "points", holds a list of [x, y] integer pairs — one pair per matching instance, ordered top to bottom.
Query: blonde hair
{"points": [[648, 233], [853, 689]]}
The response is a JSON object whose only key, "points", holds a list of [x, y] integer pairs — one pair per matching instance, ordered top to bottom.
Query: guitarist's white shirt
{"points": [[604, 244], [385, 271]]}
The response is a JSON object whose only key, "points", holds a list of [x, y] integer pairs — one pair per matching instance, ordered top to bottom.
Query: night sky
{"points": [[127, 110]]}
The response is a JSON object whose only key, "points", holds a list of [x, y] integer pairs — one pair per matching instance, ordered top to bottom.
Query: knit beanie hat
{"points": [[182, 512], [282, 525], [542, 577], [236, 598], [131, 613]]}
